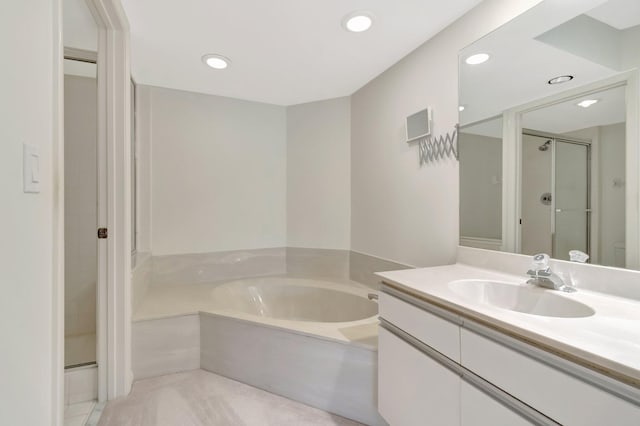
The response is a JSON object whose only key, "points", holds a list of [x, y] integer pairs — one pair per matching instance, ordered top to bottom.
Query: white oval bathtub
{"points": [[295, 299], [308, 335]]}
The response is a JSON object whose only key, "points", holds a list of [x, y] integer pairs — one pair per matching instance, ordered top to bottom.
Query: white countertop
{"points": [[608, 341]]}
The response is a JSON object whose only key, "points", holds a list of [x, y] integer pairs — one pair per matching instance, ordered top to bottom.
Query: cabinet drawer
{"points": [[440, 334], [413, 389], [559, 395], [479, 409]]}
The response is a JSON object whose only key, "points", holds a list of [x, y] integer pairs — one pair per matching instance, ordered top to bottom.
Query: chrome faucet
{"points": [[541, 275]]}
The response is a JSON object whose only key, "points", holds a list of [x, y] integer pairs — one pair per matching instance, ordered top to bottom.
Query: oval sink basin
{"points": [[519, 298]]}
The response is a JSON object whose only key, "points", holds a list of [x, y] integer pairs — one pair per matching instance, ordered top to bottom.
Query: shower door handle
{"points": [[573, 210]]}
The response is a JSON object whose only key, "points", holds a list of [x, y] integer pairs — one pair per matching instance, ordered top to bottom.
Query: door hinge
{"points": [[103, 233]]}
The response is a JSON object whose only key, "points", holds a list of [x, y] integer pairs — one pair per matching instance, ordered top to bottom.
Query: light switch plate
{"points": [[31, 168]]}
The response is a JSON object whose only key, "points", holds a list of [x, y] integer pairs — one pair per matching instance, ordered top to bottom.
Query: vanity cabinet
{"points": [[442, 334], [436, 368], [413, 388], [562, 396], [477, 408]]}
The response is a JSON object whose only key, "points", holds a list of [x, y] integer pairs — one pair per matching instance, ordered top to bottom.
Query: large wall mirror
{"points": [[549, 149]]}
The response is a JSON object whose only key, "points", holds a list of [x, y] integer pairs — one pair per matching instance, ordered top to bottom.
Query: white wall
{"points": [[629, 48], [27, 85], [143, 134], [206, 150], [537, 172], [218, 173], [318, 174], [480, 186], [612, 191], [400, 211]]}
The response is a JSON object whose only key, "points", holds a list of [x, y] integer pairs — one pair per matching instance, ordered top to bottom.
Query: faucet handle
{"points": [[540, 262], [539, 265], [539, 272]]}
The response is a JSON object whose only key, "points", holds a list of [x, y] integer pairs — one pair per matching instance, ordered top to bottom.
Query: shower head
{"points": [[545, 146]]}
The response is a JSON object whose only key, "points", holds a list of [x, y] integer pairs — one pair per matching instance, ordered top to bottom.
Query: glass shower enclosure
{"points": [[556, 195]]}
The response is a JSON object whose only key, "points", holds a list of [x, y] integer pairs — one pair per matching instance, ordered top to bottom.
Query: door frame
{"points": [[512, 161], [114, 195], [114, 253]]}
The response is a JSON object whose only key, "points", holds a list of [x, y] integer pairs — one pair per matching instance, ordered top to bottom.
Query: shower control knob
{"points": [[546, 198]]}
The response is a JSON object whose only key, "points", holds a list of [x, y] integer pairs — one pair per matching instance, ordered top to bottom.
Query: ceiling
{"points": [[620, 14], [283, 52], [523, 59], [564, 117], [567, 117]]}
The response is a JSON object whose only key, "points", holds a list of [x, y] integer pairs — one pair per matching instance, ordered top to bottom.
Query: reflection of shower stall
{"points": [[556, 195]]}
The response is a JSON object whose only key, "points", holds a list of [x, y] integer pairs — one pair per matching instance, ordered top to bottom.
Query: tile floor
{"points": [[198, 398], [78, 414]]}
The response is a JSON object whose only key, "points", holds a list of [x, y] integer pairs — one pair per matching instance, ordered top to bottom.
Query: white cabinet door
{"points": [[440, 334], [413, 389], [558, 395], [479, 409]]}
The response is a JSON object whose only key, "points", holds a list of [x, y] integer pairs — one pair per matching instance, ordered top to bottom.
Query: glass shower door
{"points": [[572, 204]]}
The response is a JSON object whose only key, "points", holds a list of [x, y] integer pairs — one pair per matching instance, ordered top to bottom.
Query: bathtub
{"points": [[296, 299], [328, 309], [311, 340]]}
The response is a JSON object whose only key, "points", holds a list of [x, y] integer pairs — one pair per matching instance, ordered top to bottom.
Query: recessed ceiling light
{"points": [[358, 22], [476, 59], [218, 62], [560, 79], [587, 103], [461, 108]]}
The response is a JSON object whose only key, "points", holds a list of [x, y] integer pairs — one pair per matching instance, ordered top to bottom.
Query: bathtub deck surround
{"points": [[313, 262], [217, 266], [363, 268], [151, 272], [306, 306], [311, 330], [270, 333], [165, 345], [335, 377], [205, 399]]}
